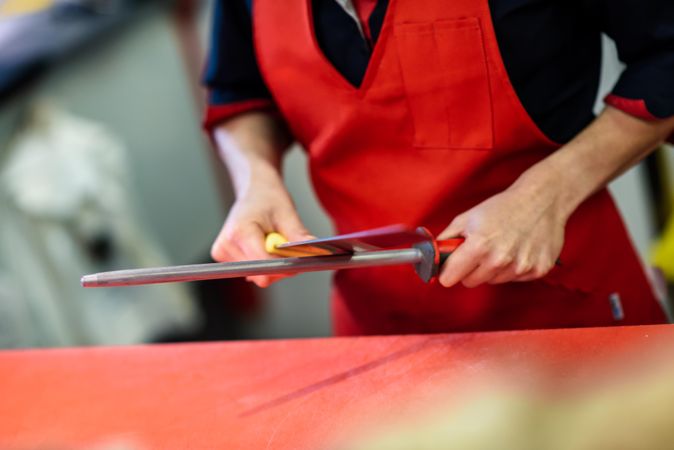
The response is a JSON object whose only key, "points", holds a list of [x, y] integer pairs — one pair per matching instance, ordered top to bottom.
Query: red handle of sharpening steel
{"points": [[446, 247], [434, 254]]}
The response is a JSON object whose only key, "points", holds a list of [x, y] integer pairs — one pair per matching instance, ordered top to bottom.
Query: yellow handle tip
{"points": [[271, 241]]}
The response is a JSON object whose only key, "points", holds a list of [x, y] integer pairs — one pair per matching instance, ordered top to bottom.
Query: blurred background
{"points": [[103, 165]]}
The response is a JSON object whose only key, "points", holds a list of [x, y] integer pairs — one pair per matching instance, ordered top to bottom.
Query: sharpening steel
{"points": [[427, 256]]}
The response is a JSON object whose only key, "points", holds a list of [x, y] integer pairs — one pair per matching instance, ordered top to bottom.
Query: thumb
{"points": [[455, 229]]}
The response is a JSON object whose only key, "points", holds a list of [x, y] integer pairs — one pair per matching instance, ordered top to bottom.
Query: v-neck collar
{"points": [[350, 9], [379, 37]]}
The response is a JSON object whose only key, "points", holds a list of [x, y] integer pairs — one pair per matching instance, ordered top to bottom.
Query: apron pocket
{"points": [[444, 72]]}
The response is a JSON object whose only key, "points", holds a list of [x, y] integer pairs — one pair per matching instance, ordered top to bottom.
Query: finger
{"points": [[291, 227], [455, 228], [251, 244], [224, 249], [221, 252], [462, 262], [491, 266], [539, 270], [513, 271], [480, 275], [505, 275], [529, 276], [271, 279], [264, 281]]}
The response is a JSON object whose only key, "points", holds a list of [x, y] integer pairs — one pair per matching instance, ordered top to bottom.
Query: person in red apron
{"points": [[432, 132]]}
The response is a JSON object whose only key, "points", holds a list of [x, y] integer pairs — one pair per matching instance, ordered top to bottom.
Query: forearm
{"points": [[613, 143], [251, 145], [518, 234]]}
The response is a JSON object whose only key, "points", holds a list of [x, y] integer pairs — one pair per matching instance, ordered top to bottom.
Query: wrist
{"points": [[256, 176], [548, 188]]}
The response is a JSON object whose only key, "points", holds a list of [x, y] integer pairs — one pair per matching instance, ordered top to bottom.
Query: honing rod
{"points": [[277, 266]]}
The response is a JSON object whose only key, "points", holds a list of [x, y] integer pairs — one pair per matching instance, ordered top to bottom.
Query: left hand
{"points": [[516, 235]]}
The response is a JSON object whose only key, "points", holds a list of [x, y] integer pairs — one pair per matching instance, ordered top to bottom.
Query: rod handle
{"points": [[446, 247]]}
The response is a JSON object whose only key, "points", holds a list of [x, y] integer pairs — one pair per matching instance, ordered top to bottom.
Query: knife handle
{"points": [[273, 240]]}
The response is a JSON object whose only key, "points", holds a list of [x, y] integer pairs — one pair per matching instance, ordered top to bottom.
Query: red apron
{"points": [[434, 129]]}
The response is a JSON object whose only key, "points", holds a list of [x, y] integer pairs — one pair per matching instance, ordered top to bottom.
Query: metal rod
{"points": [[197, 272]]}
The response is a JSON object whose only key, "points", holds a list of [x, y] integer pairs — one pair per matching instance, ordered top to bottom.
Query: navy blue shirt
{"points": [[551, 50]]}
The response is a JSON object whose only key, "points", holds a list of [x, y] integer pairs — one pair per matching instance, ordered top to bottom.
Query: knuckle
{"points": [[285, 215], [295, 232], [238, 234], [231, 235], [480, 246], [501, 259], [522, 268], [540, 270]]}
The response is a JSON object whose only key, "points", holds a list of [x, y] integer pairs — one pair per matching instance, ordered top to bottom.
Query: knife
{"points": [[394, 245]]}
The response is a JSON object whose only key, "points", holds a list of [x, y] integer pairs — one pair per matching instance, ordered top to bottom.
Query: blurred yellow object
{"points": [[14, 7], [663, 252], [631, 414]]}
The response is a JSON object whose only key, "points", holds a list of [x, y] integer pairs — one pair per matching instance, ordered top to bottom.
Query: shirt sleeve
{"points": [[644, 35], [232, 76]]}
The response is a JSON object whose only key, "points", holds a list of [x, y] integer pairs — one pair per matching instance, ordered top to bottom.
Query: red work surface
{"points": [[289, 394]]}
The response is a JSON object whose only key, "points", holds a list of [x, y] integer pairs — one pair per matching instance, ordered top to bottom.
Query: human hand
{"points": [[264, 208], [516, 235]]}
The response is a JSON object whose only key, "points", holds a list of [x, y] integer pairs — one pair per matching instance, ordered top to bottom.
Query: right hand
{"points": [[265, 208]]}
